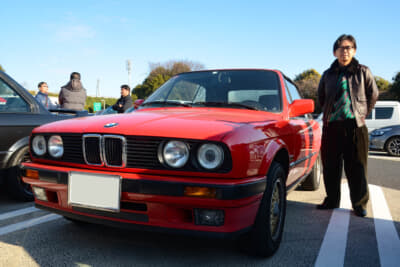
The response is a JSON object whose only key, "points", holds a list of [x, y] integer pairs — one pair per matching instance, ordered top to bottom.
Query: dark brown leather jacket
{"points": [[363, 90]]}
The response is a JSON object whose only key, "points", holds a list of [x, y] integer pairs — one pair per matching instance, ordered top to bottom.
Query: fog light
{"points": [[40, 193], [209, 217]]}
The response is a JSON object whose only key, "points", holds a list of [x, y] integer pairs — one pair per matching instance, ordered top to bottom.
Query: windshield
{"points": [[250, 89]]}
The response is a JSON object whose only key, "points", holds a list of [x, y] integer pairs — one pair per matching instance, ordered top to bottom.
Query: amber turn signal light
{"points": [[32, 174], [196, 191]]}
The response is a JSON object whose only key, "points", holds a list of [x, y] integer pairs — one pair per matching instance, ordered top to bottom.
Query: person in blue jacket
{"points": [[43, 97]]}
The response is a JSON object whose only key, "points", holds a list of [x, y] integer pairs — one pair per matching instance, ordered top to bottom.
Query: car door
{"points": [[19, 114], [301, 139]]}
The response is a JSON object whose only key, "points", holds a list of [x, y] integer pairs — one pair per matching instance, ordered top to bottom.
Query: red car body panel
{"points": [[253, 138]]}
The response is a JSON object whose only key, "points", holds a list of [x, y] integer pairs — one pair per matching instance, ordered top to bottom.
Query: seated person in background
{"points": [[43, 97], [125, 101]]}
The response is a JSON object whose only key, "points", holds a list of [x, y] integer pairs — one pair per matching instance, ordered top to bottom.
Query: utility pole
{"points": [[128, 68], [98, 88]]}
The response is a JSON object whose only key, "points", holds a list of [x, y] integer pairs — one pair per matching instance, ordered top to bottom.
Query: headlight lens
{"points": [[380, 131], [39, 145], [56, 148], [176, 154], [210, 156]]}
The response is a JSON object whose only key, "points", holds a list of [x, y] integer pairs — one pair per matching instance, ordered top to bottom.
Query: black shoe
{"points": [[326, 206], [360, 211]]}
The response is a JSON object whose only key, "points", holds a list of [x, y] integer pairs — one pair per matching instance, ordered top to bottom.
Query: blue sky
{"points": [[47, 40]]}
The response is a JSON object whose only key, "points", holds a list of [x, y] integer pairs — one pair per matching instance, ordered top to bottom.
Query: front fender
{"points": [[275, 150], [6, 163]]}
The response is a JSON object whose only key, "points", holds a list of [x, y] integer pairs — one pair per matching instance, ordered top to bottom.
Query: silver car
{"points": [[386, 139]]}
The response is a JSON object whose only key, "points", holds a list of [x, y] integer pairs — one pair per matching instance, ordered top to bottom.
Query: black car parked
{"points": [[19, 114]]}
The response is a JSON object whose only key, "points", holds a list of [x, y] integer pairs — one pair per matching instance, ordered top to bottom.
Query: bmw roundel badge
{"points": [[110, 125]]}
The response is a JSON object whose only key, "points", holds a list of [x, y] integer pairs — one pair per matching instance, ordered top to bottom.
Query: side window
{"points": [[291, 91], [293, 94], [10, 101], [383, 113]]}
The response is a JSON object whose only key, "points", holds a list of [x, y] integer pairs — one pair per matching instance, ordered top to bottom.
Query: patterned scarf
{"points": [[342, 107]]}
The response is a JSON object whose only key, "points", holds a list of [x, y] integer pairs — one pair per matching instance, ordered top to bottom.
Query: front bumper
{"points": [[157, 202]]}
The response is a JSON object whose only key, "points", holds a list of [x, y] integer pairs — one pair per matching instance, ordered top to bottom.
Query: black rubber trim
{"points": [[53, 177], [176, 189], [223, 192], [138, 217], [149, 228]]}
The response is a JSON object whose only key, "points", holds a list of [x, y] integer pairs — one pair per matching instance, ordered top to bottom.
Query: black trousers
{"points": [[343, 143]]}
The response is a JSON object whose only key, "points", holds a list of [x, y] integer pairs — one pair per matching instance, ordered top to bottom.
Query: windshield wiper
{"points": [[166, 102], [224, 104]]}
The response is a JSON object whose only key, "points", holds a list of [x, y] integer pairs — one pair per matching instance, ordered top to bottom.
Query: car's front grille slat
{"points": [[114, 151]]}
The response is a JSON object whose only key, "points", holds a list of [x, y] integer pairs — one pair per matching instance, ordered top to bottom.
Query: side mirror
{"points": [[300, 107]]}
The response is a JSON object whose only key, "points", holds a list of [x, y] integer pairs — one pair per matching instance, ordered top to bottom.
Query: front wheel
{"points": [[393, 146], [16, 187], [266, 234]]}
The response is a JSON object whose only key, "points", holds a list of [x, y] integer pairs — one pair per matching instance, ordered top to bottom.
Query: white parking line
{"points": [[384, 157], [16, 213], [29, 223], [386, 234], [333, 248]]}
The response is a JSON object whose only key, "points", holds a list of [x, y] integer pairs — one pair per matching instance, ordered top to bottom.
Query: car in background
{"points": [[110, 110], [106, 111], [385, 113], [19, 114], [386, 139], [208, 153]]}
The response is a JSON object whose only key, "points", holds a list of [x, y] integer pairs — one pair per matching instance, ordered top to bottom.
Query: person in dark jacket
{"points": [[347, 93], [73, 95], [43, 97], [125, 101]]}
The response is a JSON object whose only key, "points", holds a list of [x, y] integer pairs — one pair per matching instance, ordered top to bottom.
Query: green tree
{"points": [[1, 68], [160, 73], [308, 75], [307, 82], [383, 85], [395, 87], [384, 88]]}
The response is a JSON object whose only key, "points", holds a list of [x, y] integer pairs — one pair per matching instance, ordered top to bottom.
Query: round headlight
{"points": [[39, 145], [56, 148], [176, 154], [210, 156]]}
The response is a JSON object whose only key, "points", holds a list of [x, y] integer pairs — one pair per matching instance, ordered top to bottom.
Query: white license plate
{"points": [[95, 191]]}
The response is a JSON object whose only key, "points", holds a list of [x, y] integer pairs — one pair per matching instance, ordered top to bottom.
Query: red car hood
{"points": [[193, 123]]}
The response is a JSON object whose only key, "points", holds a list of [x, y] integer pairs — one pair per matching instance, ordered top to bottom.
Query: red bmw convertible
{"points": [[210, 152]]}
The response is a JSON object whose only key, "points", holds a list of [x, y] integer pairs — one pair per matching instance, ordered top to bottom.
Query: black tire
{"points": [[393, 146], [313, 180], [16, 187], [266, 234]]}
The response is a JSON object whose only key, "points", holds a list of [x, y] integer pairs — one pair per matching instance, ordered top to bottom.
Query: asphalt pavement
{"points": [[31, 237]]}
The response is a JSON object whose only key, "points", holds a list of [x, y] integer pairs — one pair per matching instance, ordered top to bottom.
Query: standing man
{"points": [[347, 93], [73, 95], [43, 97], [125, 101]]}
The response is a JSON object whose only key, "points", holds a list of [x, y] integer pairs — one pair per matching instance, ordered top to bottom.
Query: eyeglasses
{"points": [[348, 48]]}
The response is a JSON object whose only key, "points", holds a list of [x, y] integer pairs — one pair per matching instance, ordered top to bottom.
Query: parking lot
{"points": [[31, 237]]}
